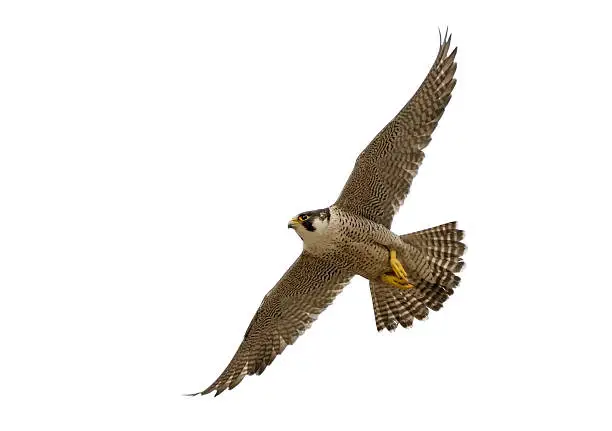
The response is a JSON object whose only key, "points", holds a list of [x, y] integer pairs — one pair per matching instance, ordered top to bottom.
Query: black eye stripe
{"points": [[307, 218], [308, 226]]}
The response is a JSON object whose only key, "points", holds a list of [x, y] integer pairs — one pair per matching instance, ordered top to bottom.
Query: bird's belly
{"points": [[367, 259]]}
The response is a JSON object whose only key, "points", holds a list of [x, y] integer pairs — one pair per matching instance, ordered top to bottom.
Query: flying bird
{"points": [[409, 274]]}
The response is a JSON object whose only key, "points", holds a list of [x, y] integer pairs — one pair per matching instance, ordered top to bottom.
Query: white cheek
{"points": [[319, 226]]}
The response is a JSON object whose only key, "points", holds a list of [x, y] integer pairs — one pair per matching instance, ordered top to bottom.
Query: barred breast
{"points": [[359, 245]]}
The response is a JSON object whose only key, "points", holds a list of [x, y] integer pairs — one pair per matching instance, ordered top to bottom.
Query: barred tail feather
{"points": [[442, 249]]}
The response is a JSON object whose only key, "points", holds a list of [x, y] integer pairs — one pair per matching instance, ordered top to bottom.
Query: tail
{"points": [[441, 247]]}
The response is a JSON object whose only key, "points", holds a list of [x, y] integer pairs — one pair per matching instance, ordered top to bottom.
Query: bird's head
{"points": [[310, 224]]}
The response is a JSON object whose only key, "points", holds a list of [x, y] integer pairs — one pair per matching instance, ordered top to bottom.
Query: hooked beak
{"points": [[293, 223]]}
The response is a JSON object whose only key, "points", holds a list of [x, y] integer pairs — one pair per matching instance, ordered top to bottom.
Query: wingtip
{"points": [[446, 40], [204, 392]]}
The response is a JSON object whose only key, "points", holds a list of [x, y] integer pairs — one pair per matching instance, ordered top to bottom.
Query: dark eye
{"points": [[303, 217]]}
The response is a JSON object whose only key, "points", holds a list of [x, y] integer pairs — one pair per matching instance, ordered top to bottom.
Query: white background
{"points": [[151, 154]]}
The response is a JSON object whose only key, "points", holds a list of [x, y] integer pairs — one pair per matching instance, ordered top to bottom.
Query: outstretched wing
{"points": [[384, 171], [306, 289]]}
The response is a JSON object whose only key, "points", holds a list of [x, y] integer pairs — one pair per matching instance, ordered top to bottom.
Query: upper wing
{"points": [[384, 171], [286, 311]]}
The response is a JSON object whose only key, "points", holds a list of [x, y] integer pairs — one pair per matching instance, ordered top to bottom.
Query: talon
{"points": [[397, 267], [393, 280]]}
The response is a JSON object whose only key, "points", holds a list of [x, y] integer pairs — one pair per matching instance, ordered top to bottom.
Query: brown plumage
{"points": [[392, 159], [353, 237], [442, 249], [306, 289]]}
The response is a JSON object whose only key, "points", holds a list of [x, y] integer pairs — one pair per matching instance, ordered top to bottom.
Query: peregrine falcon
{"points": [[409, 274]]}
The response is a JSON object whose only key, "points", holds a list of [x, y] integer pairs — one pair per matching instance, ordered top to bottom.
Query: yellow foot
{"points": [[397, 267], [393, 280]]}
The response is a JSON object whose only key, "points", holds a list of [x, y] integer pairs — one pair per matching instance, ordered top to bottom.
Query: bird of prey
{"points": [[408, 274]]}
